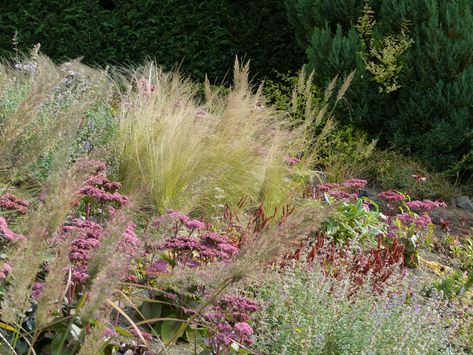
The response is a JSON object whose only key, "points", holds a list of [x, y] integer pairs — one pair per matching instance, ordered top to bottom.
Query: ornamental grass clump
{"points": [[197, 156], [61, 278]]}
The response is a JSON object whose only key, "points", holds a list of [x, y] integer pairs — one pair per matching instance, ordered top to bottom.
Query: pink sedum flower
{"points": [[146, 87], [200, 113], [291, 160], [92, 166], [355, 183], [328, 187], [103, 196], [343, 196], [391, 196], [13, 203], [425, 204], [421, 221], [7, 233], [87, 239], [130, 241], [158, 267], [5, 269], [37, 291], [243, 329], [110, 333], [145, 335]]}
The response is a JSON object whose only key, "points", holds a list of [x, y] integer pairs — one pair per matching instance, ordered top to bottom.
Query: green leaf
{"points": [[151, 310], [8, 327], [172, 329], [123, 332], [195, 336], [56, 344], [235, 347]]}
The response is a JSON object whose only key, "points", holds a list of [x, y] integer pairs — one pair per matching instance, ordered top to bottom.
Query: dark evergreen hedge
{"points": [[200, 36]]}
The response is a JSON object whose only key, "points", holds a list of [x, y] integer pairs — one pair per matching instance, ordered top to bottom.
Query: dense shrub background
{"points": [[201, 36], [431, 114]]}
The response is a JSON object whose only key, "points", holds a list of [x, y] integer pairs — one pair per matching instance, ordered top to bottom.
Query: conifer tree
{"points": [[414, 61]]}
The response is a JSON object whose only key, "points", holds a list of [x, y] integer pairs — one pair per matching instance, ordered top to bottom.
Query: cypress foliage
{"points": [[429, 109]]}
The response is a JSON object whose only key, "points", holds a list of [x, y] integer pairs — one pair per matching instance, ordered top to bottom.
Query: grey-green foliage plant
{"points": [[425, 99], [50, 115], [304, 312]]}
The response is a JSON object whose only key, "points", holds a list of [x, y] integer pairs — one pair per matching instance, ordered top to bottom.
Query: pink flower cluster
{"points": [[146, 87], [200, 113], [291, 160], [92, 166], [104, 182], [355, 183], [352, 184], [328, 187], [103, 190], [346, 191], [343, 195], [391, 196], [11, 202], [425, 204], [178, 218], [421, 221], [8, 233], [87, 235], [87, 239], [130, 242], [208, 247], [158, 267], [5, 269], [37, 291], [240, 308], [230, 317], [243, 329], [110, 333], [226, 334], [145, 335]]}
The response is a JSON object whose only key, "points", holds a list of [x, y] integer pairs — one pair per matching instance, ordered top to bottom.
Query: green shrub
{"points": [[418, 95], [391, 170], [352, 223], [464, 252], [455, 284]]}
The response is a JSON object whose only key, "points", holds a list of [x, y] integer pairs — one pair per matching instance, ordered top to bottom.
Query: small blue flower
{"points": [[86, 147]]}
